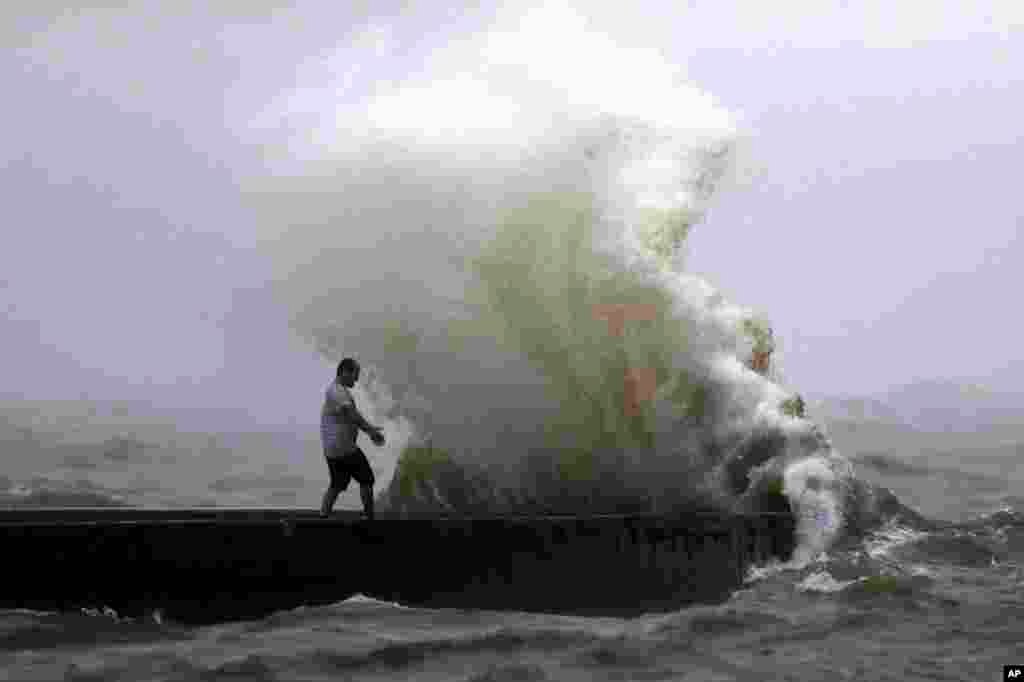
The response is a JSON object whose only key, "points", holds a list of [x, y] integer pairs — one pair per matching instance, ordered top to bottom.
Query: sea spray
{"points": [[500, 238], [814, 487]]}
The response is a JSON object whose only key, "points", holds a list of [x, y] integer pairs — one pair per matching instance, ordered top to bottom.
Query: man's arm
{"points": [[354, 417]]}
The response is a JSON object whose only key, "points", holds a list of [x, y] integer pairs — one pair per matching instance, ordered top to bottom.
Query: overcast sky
{"points": [[880, 235]]}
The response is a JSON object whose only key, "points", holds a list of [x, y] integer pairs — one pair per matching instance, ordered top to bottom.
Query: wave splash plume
{"points": [[500, 239]]}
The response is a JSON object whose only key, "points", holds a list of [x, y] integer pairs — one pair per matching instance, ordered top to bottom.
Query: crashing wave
{"points": [[536, 343]]}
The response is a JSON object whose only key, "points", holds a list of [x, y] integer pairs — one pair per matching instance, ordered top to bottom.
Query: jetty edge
{"points": [[207, 565]]}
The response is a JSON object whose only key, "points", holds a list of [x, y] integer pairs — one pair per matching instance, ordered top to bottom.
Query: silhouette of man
{"points": [[340, 423]]}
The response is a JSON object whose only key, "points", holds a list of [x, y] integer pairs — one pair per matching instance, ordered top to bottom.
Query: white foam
{"points": [[888, 538], [768, 569], [822, 581], [363, 599]]}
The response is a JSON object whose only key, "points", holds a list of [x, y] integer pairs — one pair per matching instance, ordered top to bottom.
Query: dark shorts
{"points": [[345, 468]]}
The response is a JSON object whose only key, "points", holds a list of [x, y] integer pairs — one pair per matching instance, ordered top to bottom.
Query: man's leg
{"points": [[363, 473], [339, 481], [366, 492], [330, 497]]}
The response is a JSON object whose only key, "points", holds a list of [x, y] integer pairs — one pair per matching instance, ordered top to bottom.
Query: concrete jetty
{"points": [[206, 565]]}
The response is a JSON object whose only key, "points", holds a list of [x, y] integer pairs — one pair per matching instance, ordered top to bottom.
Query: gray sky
{"points": [[881, 235]]}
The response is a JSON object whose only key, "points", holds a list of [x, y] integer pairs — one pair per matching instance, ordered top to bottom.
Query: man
{"points": [[340, 423]]}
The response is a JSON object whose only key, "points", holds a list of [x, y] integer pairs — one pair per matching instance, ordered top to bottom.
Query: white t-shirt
{"points": [[337, 433]]}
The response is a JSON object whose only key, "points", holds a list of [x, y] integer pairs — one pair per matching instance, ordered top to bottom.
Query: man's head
{"points": [[348, 372]]}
